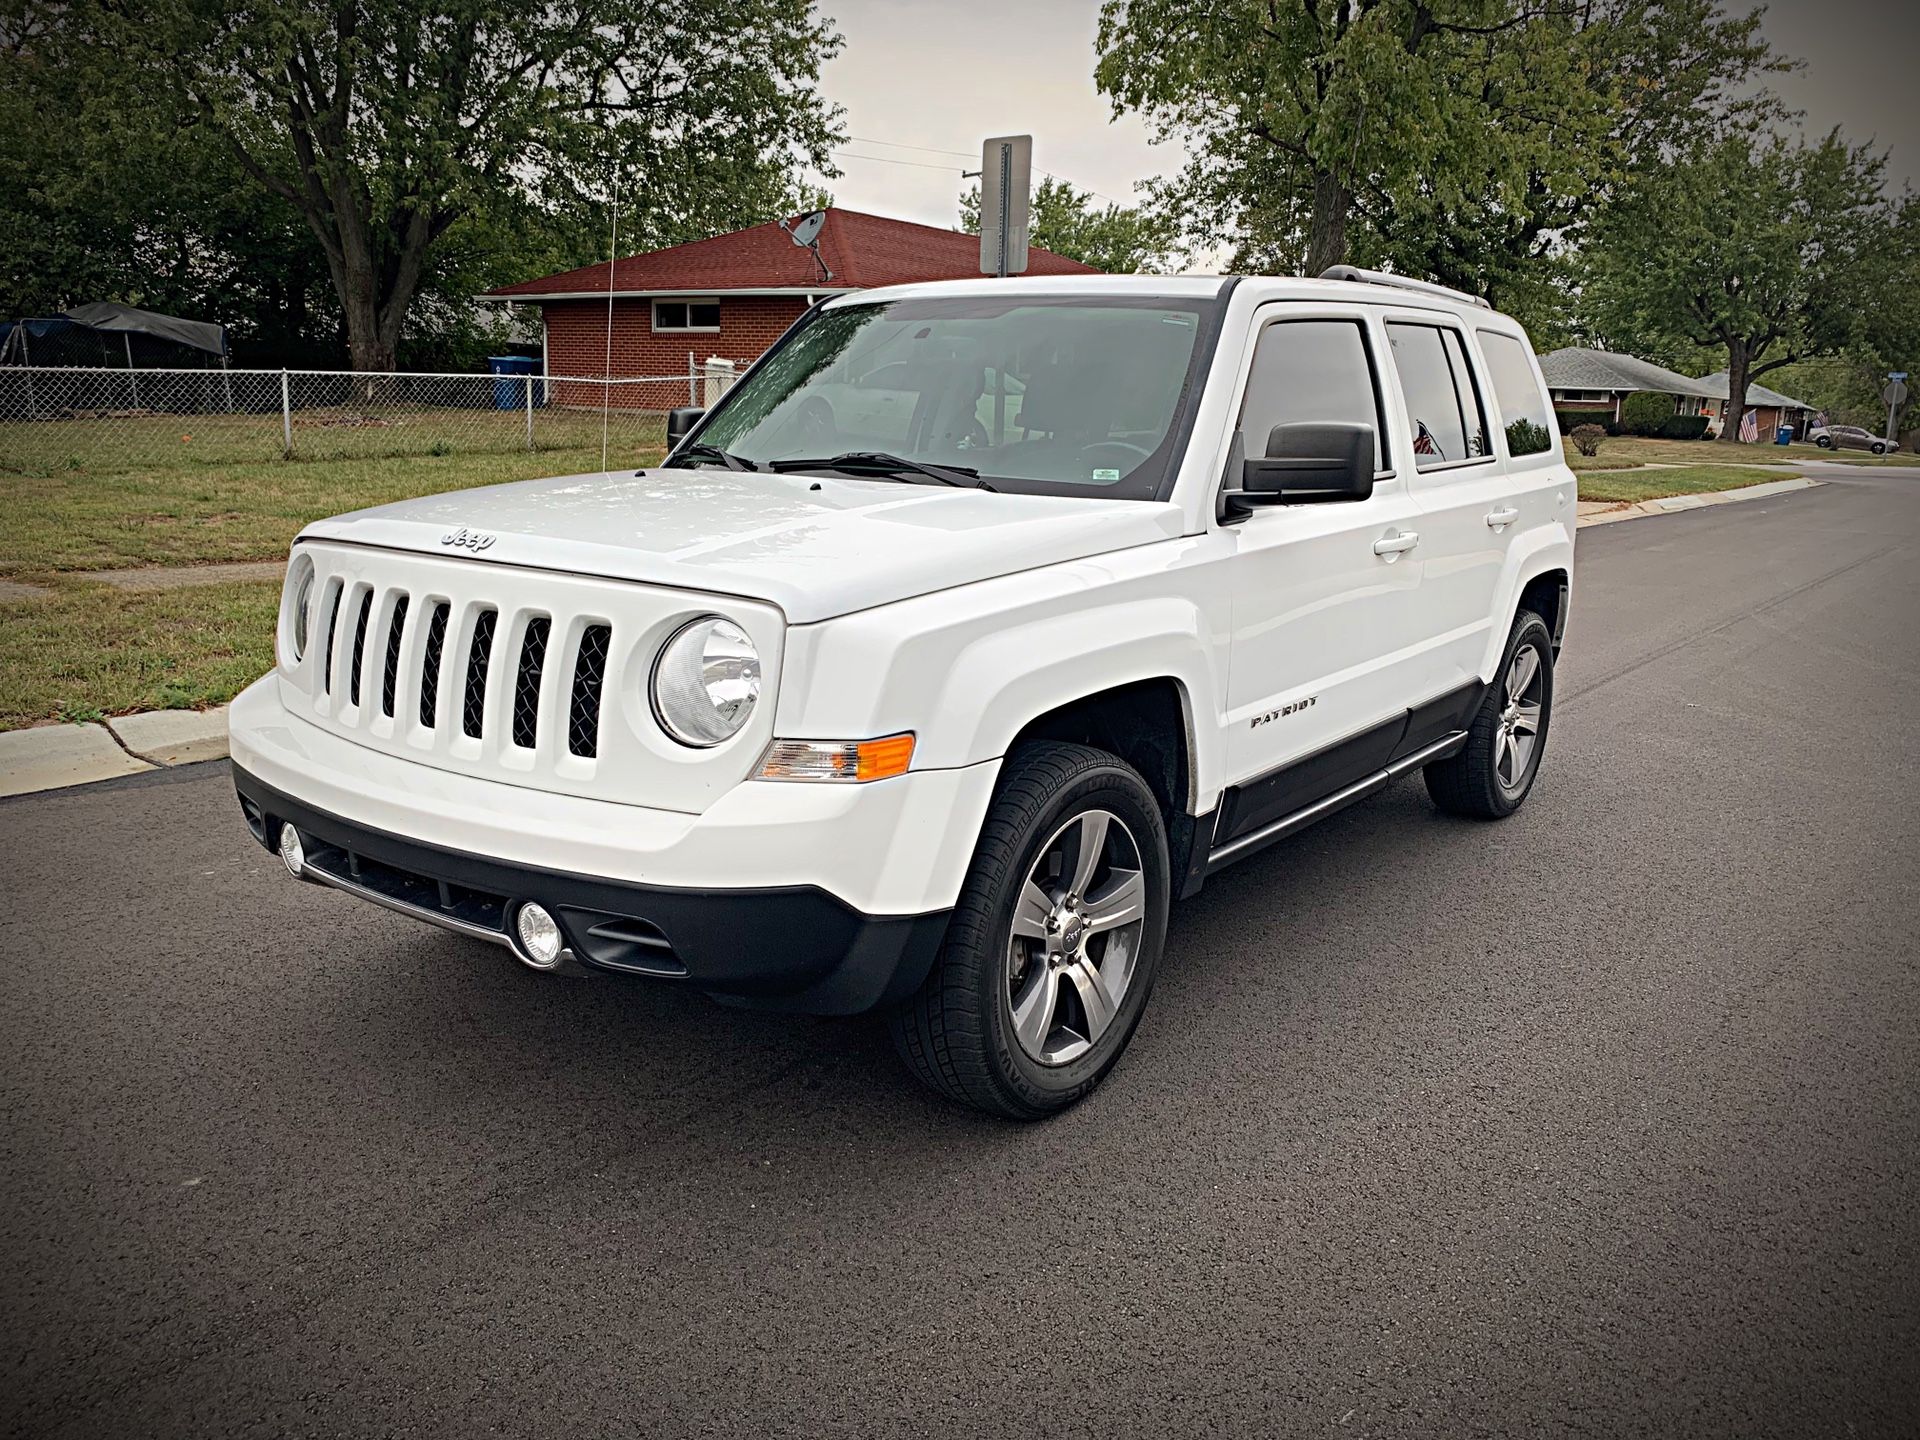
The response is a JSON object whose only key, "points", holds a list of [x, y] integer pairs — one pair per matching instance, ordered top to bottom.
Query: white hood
{"points": [[816, 546]]}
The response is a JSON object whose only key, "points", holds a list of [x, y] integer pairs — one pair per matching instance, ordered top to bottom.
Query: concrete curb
{"points": [[1667, 505], [51, 757]]}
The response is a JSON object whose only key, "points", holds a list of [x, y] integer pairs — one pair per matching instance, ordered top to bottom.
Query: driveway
{"points": [[1602, 1121]]}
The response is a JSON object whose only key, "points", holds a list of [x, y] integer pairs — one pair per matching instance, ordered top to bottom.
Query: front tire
{"points": [[1825, 442], [1880, 448], [1489, 778], [1052, 949]]}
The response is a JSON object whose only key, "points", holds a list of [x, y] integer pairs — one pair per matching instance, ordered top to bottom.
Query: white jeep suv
{"points": [[977, 624]]}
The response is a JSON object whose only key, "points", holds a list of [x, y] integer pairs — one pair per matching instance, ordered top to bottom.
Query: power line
{"points": [[930, 149], [889, 160], [949, 169]]}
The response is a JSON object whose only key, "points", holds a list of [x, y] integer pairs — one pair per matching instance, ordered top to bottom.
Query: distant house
{"points": [[728, 298], [1600, 381], [1770, 408]]}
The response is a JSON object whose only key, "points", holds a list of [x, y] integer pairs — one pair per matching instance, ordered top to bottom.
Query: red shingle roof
{"points": [[860, 250]]}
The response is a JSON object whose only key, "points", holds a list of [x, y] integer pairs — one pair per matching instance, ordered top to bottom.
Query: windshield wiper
{"points": [[714, 452], [887, 464]]}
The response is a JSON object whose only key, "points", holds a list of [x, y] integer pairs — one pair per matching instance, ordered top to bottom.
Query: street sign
{"points": [[1006, 178], [1896, 374], [1895, 393]]}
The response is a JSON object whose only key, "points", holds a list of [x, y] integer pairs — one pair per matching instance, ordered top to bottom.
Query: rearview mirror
{"points": [[680, 423], [1310, 462]]}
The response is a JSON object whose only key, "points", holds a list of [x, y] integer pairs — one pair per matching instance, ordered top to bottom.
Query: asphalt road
{"points": [[1602, 1121]]}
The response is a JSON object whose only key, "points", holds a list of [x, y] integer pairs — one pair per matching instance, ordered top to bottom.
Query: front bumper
{"points": [[814, 897], [788, 948]]}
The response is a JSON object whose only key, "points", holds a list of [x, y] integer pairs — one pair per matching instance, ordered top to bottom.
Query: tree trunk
{"points": [[1327, 239], [1738, 362]]}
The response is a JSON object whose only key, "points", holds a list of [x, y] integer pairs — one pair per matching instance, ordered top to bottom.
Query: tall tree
{"points": [[388, 124], [1462, 139], [1119, 239], [1764, 250]]}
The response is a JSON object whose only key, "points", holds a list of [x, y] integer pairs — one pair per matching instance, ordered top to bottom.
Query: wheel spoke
{"points": [[1526, 662], [1526, 719], [1502, 757], [1081, 856], [1121, 901], [1030, 912], [1094, 999], [1033, 1009]]}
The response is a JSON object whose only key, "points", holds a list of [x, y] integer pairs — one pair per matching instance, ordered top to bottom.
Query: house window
{"points": [[686, 315]]}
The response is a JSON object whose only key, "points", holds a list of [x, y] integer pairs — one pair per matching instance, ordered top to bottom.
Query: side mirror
{"points": [[680, 424], [1310, 462]]}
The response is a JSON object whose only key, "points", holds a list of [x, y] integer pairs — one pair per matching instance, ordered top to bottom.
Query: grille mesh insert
{"points": [[333, 626], [359, 646], [478, 654], [430, 665], [589, 673], [389, 681], [526, 689]]}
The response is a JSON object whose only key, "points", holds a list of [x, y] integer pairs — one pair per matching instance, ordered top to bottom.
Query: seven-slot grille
{"points": [[384, 612], [532, 677]]}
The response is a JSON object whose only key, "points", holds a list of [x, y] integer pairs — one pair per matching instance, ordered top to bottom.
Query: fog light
{"points": [[292, 851], [539, 936]]}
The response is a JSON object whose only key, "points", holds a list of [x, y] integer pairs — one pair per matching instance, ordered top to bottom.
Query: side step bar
{"points": [[1225, 855]]}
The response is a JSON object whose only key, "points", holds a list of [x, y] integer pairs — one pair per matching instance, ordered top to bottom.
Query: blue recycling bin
{"points": [[511, 393], [1784, 435]]}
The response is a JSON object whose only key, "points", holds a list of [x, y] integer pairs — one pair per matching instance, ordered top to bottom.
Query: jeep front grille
{"points": [[530, 677]]}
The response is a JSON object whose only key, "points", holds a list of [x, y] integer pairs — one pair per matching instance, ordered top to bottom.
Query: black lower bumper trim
{"points": [[787, 947]]}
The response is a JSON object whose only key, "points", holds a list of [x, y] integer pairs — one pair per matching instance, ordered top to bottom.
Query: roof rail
{"points": [[1401, 282]]}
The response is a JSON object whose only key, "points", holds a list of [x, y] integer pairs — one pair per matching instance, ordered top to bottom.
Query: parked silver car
{"points": [[1846, 437]]}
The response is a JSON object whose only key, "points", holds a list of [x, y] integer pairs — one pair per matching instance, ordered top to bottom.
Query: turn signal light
{"points": [[857, 761]]}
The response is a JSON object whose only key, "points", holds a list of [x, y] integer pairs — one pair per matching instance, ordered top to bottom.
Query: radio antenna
{"points": [[613, 253]]}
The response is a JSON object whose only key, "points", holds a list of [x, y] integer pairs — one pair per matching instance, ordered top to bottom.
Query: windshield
{"points": [[1063, 395]]}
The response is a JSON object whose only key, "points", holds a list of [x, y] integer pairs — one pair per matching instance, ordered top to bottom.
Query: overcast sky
{"points": [[944, 76]]}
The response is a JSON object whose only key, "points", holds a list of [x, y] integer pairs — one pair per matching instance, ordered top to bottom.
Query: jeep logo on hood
{"points": [[466, 539]]}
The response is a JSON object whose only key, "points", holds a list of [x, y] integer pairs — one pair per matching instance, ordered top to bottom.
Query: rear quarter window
{"points": [[1516, 390]]}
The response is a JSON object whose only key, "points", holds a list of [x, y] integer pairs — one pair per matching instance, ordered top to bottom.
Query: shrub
{"points": [[1645, 411], [1570, 420], [1684, 427], [1586, 438]]}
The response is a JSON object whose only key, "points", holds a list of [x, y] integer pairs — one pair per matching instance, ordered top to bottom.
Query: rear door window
{"points": [[1307, 370], [1516, 390], [1443, 398]]}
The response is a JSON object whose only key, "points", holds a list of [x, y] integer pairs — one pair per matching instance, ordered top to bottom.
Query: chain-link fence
{"points": [[59, 419]]}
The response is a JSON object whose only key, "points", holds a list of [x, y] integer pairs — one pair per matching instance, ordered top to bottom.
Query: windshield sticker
{"points": [[1106, 474]]}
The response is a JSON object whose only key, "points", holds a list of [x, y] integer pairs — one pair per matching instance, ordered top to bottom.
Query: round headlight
{"points": [[302, 612], [706, 681]]}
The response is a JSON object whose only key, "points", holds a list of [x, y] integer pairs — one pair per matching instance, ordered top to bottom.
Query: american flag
{"points": [[1750, 427], [1423, 441]]}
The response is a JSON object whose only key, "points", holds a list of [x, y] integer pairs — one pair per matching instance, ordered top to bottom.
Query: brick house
{"points": [[728, 298], [1597, 382]]}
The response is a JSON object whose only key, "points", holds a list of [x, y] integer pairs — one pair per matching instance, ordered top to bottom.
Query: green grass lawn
{"points": [[1622, 452], [1634, 485], [198, 513], [88, 649]]}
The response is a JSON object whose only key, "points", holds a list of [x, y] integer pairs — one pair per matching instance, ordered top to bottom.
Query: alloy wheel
{"points": [[1522, 697], [1075, 937]]}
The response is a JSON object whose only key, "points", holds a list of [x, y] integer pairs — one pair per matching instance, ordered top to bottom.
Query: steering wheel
{"points": [[815, 421], [1139, 452]]}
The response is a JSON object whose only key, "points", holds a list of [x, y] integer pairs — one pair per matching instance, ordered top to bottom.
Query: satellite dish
{"points": [[807, 228]]}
